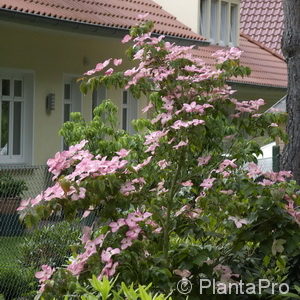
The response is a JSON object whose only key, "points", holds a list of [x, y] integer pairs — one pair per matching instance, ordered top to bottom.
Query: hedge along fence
{"points": [[16, 183], [22, 250]]}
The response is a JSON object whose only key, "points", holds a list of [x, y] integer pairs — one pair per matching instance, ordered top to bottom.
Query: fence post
{"points": [[276, 158]]}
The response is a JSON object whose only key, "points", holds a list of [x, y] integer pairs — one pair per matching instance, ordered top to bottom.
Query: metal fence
{"points": [[16, 274]]}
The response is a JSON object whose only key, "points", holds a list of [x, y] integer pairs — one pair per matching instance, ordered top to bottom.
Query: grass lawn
{"points": [[9, 250]]}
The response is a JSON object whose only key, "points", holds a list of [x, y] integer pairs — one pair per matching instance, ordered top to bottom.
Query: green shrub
{"points": [[10, 187], [49, 245], [16, 283]]}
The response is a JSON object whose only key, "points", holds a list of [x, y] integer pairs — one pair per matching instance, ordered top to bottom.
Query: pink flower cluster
{"points": [[224, 55], [101, 66], [248, 106], [196, 108], [179, 124], [152, 140], [65, 159], [204, 160], [85, 165], [224, 165], [269, 177], [130, 186], [293, 211], [189, 212], [238, 221], [132, 222], [134, 230], [78, 264], [44, 275]]}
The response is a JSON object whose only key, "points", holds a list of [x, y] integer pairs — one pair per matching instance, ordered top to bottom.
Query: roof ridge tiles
{"points": [[106, 13], [121, 14], [250, 39]]}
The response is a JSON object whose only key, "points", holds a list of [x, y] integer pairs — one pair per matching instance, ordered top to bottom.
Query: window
{"points": [[219, 21], [233, 36], [99, 95], [72, 99], [129, 111], [16, 118]]}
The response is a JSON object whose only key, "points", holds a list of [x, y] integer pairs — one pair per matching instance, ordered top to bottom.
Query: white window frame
{"points": [[213, 29], [75, 100], [129, 111], [26, 124]]}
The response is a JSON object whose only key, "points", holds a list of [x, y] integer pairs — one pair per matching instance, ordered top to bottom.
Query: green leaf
{"points": [[277, 246]]}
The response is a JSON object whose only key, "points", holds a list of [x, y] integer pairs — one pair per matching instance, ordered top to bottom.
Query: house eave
{"points": [[81, 27], [257, 85]]}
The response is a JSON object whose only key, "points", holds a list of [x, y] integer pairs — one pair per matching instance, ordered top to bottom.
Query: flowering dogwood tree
{"points": [[186, 197]]}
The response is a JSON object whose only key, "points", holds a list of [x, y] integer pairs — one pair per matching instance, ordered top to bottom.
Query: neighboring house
{"points": [[263, 22], [47, 44]]}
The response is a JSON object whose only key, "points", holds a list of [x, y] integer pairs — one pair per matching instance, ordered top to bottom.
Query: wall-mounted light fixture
{"points": [[50, 102]]}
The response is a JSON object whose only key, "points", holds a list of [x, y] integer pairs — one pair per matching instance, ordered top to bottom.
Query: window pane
{"points": [[203, 17], [214, 20], [224, 23], [233, 23], [5, 87], [18, 88], [67, 91], [125, 94], [98, 96], [67, 111], [124, 119], [4, 128], [17, 128]]}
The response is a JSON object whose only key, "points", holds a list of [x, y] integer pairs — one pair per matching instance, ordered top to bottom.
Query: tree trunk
{"points": [[291, 50]]}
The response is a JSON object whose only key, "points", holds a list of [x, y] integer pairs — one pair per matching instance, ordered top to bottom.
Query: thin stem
{"points": [[166, 242]]}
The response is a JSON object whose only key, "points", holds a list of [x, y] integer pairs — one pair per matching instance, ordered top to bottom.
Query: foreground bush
{"points": [[183, 200], [51, 244], [15, 283]]}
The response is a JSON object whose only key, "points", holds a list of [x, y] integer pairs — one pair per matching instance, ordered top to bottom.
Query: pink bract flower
{"points": [[143, 16], [126, 39], [117, 62], [109, 71], [149, 106], [180, 144], [123, 153], [203, 160], [163, 164], [254, 170], [266, 182], [187, 183], [208, 183], [238, 222], [115, 226], [133, 233], [86, 234], [125, 243], [108, 253], [108, 270], [44, 275]]}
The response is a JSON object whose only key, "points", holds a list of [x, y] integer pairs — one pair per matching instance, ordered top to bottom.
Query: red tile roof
{"points": [[109, 13], [262, 20], [267, 69]]}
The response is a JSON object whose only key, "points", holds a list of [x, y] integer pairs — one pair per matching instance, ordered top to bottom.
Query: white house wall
{"points": [[50, 56]]}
